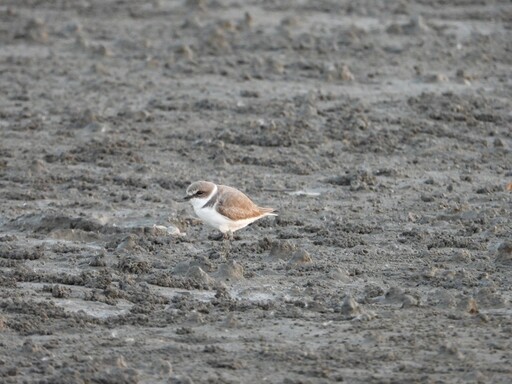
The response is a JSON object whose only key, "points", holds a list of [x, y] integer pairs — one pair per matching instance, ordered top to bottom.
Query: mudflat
{"points": [[380, 130]]}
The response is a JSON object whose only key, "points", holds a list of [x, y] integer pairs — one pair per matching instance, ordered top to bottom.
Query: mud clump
{"points": [[387, 159], [357, 181], [50, 222], [282, 250], [13, 252], [504, 253], [299, 258], [201, 262], [134, 264], [230, 271], [197, 275], [58, 291], [349, 307]]}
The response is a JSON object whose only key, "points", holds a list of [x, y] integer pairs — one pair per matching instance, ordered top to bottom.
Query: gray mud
{"points": [[381, 130]]}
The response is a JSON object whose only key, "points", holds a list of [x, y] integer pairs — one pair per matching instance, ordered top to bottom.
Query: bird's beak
{"points": [[187, 198]]}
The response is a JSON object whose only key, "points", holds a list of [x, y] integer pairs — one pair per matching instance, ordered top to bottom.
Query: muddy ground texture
{"points": [[381, 130]]}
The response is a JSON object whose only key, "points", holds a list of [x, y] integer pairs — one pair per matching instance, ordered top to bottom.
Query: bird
{"points": [[224, 208]]}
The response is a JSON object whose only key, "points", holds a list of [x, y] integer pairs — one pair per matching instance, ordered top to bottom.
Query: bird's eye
{"points": [[199, 192]]}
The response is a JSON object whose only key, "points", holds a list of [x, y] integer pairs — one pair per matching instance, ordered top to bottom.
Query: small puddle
{"points": [[94, 308]]}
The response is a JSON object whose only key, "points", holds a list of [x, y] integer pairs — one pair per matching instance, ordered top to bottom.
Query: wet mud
{"points": [[381, 131]]}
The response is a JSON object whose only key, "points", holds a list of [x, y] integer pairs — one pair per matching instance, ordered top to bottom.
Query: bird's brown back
{"points": [[235, 205]]}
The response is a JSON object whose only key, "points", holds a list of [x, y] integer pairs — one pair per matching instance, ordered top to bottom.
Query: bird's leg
{"points": [[228, 236]]}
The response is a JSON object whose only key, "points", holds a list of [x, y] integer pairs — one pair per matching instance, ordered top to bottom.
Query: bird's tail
{"points": [[269, 211]]}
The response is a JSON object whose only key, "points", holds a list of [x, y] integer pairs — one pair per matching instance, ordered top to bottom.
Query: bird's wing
{"points": [[236, 206]]}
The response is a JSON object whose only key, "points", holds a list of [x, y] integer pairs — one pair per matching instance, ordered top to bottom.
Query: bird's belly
{"points": [[212, 217], [222, 223]]}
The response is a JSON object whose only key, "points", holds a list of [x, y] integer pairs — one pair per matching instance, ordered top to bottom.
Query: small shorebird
{"points": [[223, 207]]}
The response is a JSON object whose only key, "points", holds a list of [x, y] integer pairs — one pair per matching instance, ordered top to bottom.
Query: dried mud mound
{"points": [[381, 131]]}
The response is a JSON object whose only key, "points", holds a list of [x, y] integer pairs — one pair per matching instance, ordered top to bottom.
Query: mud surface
{"points": [[381, 130]]}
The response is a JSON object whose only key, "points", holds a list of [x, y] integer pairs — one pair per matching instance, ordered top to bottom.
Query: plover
{"points": [[223, 207]]}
